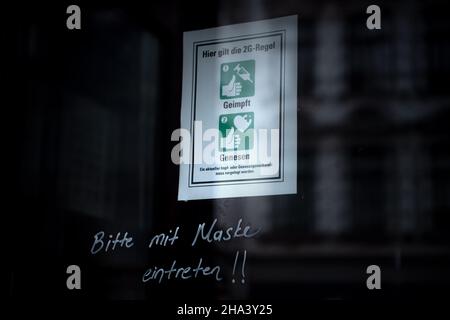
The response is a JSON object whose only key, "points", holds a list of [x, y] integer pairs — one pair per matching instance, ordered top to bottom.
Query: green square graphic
{"points": [[237, 79], [236, 131]]}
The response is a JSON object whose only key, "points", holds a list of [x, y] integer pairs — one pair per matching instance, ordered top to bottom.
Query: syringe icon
{"points": [[243, 73]]}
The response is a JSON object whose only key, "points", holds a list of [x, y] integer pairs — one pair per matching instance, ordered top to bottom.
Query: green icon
{"points": [[237, 79], [236, 131]]}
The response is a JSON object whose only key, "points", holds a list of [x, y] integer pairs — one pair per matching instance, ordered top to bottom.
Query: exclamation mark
{"points": [[235, 263], [243, 266]]}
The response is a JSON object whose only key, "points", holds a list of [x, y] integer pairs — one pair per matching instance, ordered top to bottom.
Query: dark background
{"points": [[87, 122]]}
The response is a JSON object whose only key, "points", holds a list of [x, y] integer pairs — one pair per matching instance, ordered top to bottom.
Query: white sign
{"points": [[239, 107]]}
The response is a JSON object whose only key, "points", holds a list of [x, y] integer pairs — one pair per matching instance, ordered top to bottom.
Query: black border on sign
{"points": [[195, 46]]}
